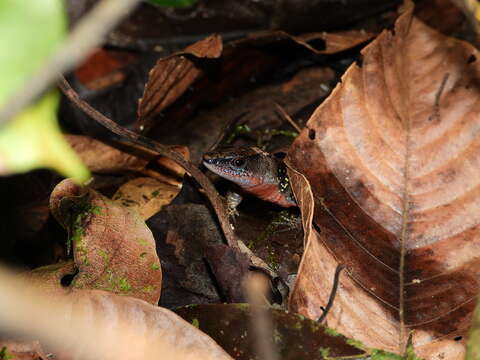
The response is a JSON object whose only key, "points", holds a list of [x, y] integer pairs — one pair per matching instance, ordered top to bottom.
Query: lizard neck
{"points": [[255, 171], [274, 187]]}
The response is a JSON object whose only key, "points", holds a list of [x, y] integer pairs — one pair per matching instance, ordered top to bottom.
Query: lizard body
{"points": [[255, 171]]}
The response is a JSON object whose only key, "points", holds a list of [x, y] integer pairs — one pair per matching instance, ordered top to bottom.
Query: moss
{"points": [[237, 131], [155, 193], [96, 210], [83, 212], [282, 218], [143, 242], [81, 252], [103, 254], [143, 254], [272, 259], [155, 266], [113, 283], [124, 285], [148, 289], [190, 306], [242, 306], [301, 316], [196, 323], [298, 325], [316, 326], [331, 332], [277, 336], [356, 343], [324, 352], [5, 354], [384, 355], [410, 355]]}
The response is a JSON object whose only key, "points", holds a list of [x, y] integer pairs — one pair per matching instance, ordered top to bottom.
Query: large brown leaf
{"points": [[392, 159]]}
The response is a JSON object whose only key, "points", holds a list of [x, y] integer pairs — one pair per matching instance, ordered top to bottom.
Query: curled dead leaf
{"points": [[171, 77], [113, 248]]}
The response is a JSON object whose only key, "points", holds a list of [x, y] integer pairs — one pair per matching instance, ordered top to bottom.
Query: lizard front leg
{"points": [[233, 200]]}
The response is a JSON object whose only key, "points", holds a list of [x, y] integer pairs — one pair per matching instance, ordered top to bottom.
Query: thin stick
{"points": [[88, 34], [288, 118], [158, 148], [331, 299]]}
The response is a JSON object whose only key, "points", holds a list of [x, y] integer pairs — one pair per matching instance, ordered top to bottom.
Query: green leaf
{"points": [[172, 3], [29, 33], [33, 139]]}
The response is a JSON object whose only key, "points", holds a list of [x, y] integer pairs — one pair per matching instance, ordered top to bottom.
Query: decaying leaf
{"points": [[330, 42], [104, 68], [171, 76], [103, 158], [392, 159], [146, 195], [183, 234], [113, 248], [230, 267], [294, 337]]}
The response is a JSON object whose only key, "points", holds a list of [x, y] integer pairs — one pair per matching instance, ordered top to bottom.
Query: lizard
{"points": [[255, 171], [264, 176]]}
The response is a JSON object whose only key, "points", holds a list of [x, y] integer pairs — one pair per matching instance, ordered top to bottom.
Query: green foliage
{"points": [[172, 3], [29, 33], [33, 139]]}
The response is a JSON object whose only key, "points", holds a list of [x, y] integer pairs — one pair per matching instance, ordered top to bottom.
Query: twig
{"points": [[88, 34], [288, 118], [158, 148], [338, 270]]}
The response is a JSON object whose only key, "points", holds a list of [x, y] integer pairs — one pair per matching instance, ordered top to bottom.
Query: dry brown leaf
{"points": [[331, 42], [171, 77], [102, 158], [392, 158], [175, 171], [146, 195], [113, 248], [99, 325]]}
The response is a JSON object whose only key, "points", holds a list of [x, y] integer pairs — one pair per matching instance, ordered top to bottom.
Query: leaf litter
{"points": [[390, 164]]}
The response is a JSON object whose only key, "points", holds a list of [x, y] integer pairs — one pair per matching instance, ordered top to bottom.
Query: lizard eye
{"points": [[238, 162]]}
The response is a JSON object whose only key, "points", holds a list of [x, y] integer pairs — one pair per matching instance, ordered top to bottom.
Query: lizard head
{"points": [[243, 166]]}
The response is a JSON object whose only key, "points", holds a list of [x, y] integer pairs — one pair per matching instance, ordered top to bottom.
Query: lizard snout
{"points": [[209, 161]]}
